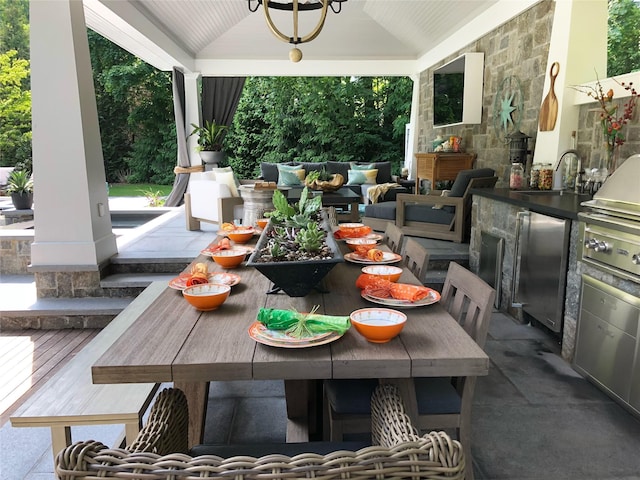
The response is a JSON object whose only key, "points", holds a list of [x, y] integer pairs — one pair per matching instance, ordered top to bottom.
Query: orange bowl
{"points": [[262, 222], [241, 235], [353, 243], [229, 258], [387, 272], [206, 297], [378, 325]]}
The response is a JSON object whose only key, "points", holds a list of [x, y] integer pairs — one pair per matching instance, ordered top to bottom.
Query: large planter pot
{"points": [[212, 157], [22, 201], [295, 278]]}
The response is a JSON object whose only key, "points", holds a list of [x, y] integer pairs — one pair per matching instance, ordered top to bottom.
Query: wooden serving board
{"points": [[549, 108]]}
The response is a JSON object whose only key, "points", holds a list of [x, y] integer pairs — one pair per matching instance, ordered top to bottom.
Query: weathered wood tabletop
{"points": [[173, 342]]}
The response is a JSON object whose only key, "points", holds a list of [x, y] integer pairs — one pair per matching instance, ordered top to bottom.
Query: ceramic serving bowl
{"points": [[262, 222], [241, 235], [354, 243], [229, 258], [387, 272], [208, 296], [378, 325]]}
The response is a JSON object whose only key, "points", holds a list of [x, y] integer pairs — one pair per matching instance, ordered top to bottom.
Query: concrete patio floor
{"points": [[534, 417]]}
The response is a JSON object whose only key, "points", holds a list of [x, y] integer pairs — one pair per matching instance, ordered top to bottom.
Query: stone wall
{"points": [[520, 48], [589, 135], [15, 251]]}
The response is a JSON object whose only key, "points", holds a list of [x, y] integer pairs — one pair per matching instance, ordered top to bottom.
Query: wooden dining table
{"points": [[173, 342]]}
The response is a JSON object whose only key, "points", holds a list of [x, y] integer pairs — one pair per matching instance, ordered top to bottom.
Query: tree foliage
{"points": [[14, 27], [623, 48], [15, 111], [135, 111], [315, 119]]}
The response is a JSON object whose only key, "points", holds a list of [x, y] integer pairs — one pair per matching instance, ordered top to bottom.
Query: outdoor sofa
{"points": [[354, 179]]}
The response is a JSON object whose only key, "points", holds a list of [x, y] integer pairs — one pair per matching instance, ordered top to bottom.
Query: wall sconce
{"points": [[295, 6]]}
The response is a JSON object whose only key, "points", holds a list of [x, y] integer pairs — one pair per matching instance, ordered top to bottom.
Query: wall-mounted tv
{"points": [[457, 91]]}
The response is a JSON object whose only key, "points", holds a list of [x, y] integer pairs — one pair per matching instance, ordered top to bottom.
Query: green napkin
{"points": [[302, 324]]}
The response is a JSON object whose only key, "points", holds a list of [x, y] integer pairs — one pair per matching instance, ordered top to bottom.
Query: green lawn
{"points": [[137, 190]]}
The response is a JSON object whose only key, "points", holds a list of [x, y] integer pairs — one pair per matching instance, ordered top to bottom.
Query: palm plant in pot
{"points": [[210, 138], [20, 187], [296, 250]]}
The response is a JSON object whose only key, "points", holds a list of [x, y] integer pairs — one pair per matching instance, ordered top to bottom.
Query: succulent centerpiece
{"points": [[296, 250]]}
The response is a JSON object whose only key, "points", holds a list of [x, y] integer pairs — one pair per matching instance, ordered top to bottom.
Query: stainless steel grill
{"points": [[610, 230]]}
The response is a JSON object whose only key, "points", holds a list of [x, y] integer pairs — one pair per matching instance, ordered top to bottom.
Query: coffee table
{"points": [[344, 197]]}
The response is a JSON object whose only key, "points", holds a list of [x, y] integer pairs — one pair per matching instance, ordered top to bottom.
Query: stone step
{"points": [[132, 284], [21, 309]]}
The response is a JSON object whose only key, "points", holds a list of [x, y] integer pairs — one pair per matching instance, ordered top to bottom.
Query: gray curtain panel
{"points": [[220, 97], [181, 181]]}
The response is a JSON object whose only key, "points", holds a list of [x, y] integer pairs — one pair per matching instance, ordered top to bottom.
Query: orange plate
{"points": [[388, 257]]}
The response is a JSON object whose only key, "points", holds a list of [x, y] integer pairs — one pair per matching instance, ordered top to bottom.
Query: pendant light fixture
{"points": [[296, 6]]}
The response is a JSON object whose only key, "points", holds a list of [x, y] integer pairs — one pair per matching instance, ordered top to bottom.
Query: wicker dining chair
{"points": [[442, 402], [398, 452]]}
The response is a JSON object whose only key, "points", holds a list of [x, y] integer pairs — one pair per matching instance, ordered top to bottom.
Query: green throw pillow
{"points": [[366, 166], [290, 175], [356, 177]]}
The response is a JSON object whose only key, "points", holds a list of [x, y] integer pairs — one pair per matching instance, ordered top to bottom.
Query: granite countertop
{"points": [[549, 202]]}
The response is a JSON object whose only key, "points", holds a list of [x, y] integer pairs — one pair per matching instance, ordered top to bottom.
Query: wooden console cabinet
{"points": [[441, 166]]}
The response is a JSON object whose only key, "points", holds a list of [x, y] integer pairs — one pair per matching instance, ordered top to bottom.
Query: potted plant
{"points": [[210, 138], [20, 186], [296, 250]]}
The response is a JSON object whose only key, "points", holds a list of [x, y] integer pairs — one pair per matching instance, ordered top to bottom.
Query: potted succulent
{"points": [[210, 138], [20, 187], [296, 250]]}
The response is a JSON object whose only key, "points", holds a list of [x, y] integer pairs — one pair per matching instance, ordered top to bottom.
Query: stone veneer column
{"points": [[73, 234]]}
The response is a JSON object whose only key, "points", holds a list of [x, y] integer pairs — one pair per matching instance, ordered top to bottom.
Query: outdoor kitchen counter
{"points": [[549, 202], [496, 217]]}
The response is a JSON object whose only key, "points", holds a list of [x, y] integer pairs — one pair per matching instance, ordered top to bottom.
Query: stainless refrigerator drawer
{"points": [[543, 245], [604, 301], [606, 353]]}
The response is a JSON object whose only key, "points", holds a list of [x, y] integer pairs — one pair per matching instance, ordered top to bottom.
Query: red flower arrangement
{"points": [[612, 123]]}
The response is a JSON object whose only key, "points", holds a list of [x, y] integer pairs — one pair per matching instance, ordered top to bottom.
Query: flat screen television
{"points": [[457, 91]]}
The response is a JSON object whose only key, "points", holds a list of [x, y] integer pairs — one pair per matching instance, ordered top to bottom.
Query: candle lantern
{"points": [[518, 147]]}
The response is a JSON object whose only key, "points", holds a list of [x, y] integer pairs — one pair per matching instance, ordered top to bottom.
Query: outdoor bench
{"points": [[69, 398]]}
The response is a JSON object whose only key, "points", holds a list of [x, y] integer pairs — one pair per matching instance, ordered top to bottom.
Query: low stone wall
{"points": [[15, 251]]}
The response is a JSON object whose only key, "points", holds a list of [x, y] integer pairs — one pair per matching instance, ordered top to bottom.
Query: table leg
{"points": [[197, 394], [302, 409]]}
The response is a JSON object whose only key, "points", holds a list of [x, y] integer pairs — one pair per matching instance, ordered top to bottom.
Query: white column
{"points": [[579, 45], [192, 113], [412, 141], [72, 221]]}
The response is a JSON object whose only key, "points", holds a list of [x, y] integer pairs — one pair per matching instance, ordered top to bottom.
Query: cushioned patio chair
{"points": [[213, 198], [433, 216], [441, 402], [398, 451]]}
